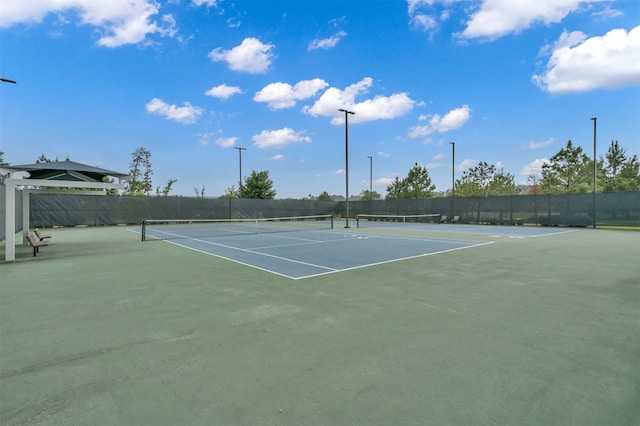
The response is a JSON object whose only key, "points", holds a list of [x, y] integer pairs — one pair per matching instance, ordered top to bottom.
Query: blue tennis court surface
{"points": [[283, 248], [303, 254]]}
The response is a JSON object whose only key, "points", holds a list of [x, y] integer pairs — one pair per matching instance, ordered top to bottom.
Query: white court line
{"points": [[554, 233], [308, 242], [230, 259], [286, 259], [395, 260]]}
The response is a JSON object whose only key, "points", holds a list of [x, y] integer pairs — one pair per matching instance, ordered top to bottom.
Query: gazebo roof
{"points": [[65, 170]]}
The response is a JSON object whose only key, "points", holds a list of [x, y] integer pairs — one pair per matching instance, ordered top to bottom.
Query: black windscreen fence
{"points": [[611, 208], [619, 209], [48, 210]]}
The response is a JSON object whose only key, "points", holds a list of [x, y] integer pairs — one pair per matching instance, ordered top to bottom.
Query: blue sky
{"points": [[510, 81]]}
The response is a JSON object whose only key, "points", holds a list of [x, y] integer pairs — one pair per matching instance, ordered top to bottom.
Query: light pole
{"points": [[346, 156], [240, 158], [595, 171], [453, 175], [370, 176]]}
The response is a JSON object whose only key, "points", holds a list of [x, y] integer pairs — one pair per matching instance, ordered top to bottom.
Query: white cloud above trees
{"points": [[579, 63], [283, 95], [377, 108], [452, 120], [281, 138]]}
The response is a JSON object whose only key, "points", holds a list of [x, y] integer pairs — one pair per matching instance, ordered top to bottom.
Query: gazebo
{"points": [[58, 177]]}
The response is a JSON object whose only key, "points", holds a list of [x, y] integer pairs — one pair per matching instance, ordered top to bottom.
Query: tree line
{"points": [[569, 170]]}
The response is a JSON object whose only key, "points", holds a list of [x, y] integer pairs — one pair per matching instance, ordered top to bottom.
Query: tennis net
{"points": [[389, 219], [161, 229]]}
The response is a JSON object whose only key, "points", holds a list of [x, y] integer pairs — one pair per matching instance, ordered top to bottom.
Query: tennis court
{"points": [[298, 249], [434, 324]]}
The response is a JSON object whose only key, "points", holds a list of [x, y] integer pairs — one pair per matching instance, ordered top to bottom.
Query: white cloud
{"points": [[208, 3], [413, 5], [607, 13], [427, 15], [496, 18], [119, 22], [424, 22], [327, 43], [251, 56], [580, 64], [223, 91], [283, 95], [378, 108], [187, 114], [453, 120], [203, 138], [268, 139], [226, 142], [533, 145], [383, 154], [278, 157], [439, 157], [466, 164], [533, 168], [340, 172], [383, 181]]}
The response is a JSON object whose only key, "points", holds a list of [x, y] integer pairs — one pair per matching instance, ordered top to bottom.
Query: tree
{"points": [[616, 157], [44, 159], [2, 163], [565, 171], [140, 172], [622, 173], [484, 180], [417, 184], [503, 184], [258, 185], [534, 188], [165, 191], [199, 191], [111, 192], [231, 192], [369, 195], [324, 196]]}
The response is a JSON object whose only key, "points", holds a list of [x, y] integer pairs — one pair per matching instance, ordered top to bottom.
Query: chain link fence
{"points": [[49, 210]]}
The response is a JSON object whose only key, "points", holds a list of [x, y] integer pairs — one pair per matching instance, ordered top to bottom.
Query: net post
{"points": [[331, 217], [358, 221], [144, 229]]}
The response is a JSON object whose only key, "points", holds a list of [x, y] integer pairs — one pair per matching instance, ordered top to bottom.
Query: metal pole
{"points": [[346, 156], [240, 158], [595, 171], [453, 175], [370, 177]]}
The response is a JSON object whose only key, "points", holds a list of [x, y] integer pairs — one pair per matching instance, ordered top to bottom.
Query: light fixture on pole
{"points": [[6, 80], [346, 156], [240, 158], [595, 170], [453, 174], [370, 176]]}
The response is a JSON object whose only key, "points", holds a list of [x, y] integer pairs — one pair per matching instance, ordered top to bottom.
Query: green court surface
{"points": [[102, 329]]}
